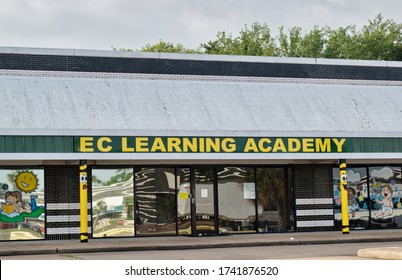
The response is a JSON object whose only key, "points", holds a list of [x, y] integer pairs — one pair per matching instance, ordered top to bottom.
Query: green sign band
{"points": [[166, 144]]}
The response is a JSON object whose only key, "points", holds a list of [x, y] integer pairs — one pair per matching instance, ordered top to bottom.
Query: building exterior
{"points": [[179, 144]]}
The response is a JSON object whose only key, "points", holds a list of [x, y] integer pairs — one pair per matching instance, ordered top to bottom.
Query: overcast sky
{"points": [[99, 24]]}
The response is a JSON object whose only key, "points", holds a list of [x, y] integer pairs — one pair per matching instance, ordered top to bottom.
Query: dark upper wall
{"points": [[182, 64]]}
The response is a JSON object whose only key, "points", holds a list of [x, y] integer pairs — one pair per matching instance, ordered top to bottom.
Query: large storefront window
{"points": [[155, 191], [237, 196], [274, 196], [385, 197], [374, 199], [190, 200], [112, 202], [358, 202], [22, 204]]}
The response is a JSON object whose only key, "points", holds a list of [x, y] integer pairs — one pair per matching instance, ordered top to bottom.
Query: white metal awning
{"points": [[93, 106]]}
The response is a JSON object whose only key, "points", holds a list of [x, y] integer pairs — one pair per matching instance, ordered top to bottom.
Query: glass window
{"points": [[236, 195], [274, 197], [385, 197], [184, 201], [112, 202], [358, 202], [22, 204], [156, 211]]}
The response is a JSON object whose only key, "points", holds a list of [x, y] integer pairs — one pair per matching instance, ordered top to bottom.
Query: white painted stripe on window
{"points": [[305, 201], [64, 206], [314, 212], [65, 218], [324, 223], [65, 230]]}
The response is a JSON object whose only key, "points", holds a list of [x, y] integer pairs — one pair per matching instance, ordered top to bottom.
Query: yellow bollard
{"points": [[343, 184], [83, 202]]}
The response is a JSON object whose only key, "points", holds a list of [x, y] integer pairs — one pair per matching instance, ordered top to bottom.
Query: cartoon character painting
{"points": [[26, 181], [386, 203], [15, 204], [353, 206], [15, 209]]}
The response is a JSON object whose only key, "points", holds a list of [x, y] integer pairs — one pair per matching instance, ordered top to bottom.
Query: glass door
{"points": [[184, 198], [204, 210]]}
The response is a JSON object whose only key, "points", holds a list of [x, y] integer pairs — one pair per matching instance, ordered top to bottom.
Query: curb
{"points": [[95, 248], [386, 253]]}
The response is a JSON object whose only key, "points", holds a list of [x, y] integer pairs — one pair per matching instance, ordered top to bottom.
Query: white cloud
{"points": [[98, 24], [384, 173], [353, 177]]}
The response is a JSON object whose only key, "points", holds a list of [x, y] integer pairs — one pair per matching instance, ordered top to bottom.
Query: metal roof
{"points": [[93, 106]]}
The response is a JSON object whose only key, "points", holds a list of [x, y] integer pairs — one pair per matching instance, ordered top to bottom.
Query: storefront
{"points": [[195, 145]]}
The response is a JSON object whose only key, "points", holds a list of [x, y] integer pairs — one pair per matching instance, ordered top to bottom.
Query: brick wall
{"points": [[193, 66], [314, 197], [62, 202]]}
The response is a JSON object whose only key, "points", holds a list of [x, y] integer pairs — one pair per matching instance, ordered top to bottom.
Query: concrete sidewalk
{"points": [[9, 248]]}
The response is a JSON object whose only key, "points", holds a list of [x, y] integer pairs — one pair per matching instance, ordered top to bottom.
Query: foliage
{"points": [[380, 39], [256, 40], [167, 47], [121, 176], [99, 208]]}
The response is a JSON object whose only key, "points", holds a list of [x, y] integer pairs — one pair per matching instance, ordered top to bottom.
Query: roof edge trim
{"points": [[198, 57]]}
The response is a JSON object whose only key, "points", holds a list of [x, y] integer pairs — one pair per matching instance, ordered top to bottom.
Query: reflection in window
{"points": [[236, 194], [385, 197], [273, 199], [155, 201], [183, 201], [112, 202], [205, 203], [358, 203], [22, 204]]}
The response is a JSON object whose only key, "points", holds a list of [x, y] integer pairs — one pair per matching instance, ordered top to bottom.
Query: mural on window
{"points": [[385, 197], [112, 202], [358, 203], [22, 204]]}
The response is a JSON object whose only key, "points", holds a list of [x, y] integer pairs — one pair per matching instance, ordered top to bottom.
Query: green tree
{"points": [[380, 39], [256, 40], [341, 43], [223, 44], [287, 44], [296, 44], [312, 44], [167, 47], [121, 176], [96, 180], [98, 209]]}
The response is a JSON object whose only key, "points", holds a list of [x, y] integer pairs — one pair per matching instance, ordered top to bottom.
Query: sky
{"points": [[101, 24]]}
